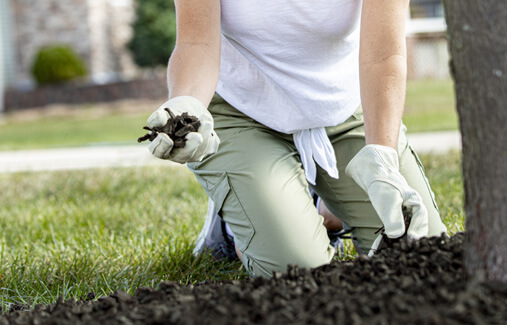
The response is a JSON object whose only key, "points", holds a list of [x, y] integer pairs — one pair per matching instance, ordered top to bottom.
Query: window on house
{"points": [[426, 9]]}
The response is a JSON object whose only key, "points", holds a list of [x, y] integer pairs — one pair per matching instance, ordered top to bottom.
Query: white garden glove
{"points": [[198, 145], [376, 170]]}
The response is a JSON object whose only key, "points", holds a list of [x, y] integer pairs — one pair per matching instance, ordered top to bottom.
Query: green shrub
{"points": [[154, 33], [57, 64]]}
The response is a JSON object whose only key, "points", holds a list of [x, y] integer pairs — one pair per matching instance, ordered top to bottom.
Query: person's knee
{"points": [[265, 267]]}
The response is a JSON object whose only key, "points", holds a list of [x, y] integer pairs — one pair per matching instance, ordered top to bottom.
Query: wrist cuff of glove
{"points": [[187, 100], [387, 154], [373, 162]]}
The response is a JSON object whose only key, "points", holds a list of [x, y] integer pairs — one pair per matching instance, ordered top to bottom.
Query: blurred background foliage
{"points": [[154, 33], [55, 64]]}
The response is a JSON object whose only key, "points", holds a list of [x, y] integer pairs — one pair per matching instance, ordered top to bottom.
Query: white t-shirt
{"points": [[292, 65]]}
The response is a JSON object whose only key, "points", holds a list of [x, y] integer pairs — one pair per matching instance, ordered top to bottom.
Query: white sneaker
{"points": [[214, 237]]}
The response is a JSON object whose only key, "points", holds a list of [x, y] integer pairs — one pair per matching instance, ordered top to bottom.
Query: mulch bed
{"points": [[421, 283]]}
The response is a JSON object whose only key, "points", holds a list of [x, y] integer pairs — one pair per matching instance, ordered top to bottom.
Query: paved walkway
{"points": [[138, 155]]}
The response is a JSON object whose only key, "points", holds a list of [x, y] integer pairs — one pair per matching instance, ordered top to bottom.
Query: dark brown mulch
{"points": [[177, 127], [423, 283]]}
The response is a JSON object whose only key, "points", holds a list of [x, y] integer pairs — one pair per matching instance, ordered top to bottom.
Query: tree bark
{"points": [[477, 31]]}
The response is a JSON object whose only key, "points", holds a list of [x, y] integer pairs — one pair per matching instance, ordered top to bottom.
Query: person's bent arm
{"points": [[195, 62], [382, 62], [192, 78], [375, 168]]}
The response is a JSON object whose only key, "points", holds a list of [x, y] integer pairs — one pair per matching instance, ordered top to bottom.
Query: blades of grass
{"points": [[71, 233]]}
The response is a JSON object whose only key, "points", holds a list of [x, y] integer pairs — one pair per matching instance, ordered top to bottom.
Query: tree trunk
{"points": [[477, 31]]}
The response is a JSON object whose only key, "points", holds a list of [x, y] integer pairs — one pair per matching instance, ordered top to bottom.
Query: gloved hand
{"points": [[198, 145], [376, 170]]}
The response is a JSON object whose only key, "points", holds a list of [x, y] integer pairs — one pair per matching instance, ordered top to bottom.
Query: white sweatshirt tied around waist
{"points": [[314, 147]]}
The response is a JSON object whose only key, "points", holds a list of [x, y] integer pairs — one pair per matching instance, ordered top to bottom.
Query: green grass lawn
{"points": [[429, 107], [71, 131], [68, 233]]}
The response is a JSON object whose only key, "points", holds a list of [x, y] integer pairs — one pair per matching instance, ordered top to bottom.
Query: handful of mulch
{"points": [[177, 127]]}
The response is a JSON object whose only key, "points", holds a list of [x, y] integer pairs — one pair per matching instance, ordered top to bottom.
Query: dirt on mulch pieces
{"points": [[420, 283]]}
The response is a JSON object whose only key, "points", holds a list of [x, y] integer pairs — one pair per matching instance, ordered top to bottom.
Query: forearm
{"points": [[195, 62], [383, 70], [193, 71], [383, 96]]}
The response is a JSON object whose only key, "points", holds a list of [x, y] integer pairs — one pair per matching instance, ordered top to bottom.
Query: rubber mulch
{"points": [[419, 283]]}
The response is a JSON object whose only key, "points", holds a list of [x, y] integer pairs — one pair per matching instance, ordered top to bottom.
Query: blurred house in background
{"points": [[98, 30], [426, 41], [5, 49]]}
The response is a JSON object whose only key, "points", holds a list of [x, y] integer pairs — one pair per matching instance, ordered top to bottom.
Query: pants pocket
{"points": [[230, 210]]}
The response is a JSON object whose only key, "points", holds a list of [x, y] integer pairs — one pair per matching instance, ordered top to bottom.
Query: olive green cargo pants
{"points": [[258, 185]]}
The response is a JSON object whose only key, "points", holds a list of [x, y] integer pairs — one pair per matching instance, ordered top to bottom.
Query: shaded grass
{"points": [[444, 174], [69, 233]]}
